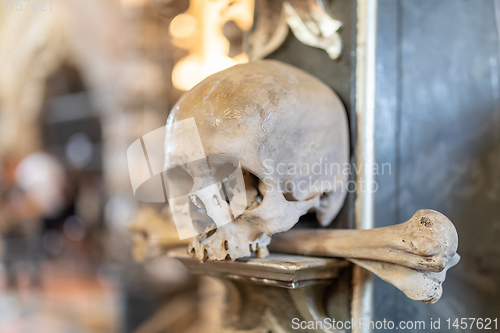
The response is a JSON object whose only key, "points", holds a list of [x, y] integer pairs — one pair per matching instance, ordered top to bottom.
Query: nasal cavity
{"points": [[254, 188], [202, 222]]}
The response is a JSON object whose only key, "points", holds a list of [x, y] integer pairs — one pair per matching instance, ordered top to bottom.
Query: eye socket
{"points": [[222, 166], [223, 170], [178, 182]]}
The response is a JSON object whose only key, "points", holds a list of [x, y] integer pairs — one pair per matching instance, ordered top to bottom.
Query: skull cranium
{"points": [[277, 121]]}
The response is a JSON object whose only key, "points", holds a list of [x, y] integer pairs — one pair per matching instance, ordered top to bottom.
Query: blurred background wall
{"points": [[80, 81]]}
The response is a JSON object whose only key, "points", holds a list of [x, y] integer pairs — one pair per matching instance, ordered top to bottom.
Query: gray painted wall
{"points": [[438, 124]]}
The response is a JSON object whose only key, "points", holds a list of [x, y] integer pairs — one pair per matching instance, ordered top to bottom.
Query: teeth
{"points": [[217, 245], [262, 252], [203, 254]]}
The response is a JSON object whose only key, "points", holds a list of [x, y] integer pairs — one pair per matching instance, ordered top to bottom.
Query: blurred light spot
{"points": [[132, 3], [182, 26], [200, 31], [192, 69], [79, 150], [120, 210], [74, 228], [10, 308]]}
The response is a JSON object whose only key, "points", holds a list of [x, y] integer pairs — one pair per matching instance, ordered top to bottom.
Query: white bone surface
{"points": [[266, 114], [426, 242], [417, 285]]}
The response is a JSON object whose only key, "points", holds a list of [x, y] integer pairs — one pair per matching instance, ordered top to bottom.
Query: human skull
{"points": [[280, 124]]}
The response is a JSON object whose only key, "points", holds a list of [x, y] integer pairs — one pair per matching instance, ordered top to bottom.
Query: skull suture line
{"points": [[269, 116]]}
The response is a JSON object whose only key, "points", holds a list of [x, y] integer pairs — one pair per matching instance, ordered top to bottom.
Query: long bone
{"points": [[427, 241], [415, 284]]}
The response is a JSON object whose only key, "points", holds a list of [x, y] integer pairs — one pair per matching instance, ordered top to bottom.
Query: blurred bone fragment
{"points": [[153, 233]]}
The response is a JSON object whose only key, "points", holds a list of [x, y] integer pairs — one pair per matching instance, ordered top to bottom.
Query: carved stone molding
{"points": [[265, 295]]}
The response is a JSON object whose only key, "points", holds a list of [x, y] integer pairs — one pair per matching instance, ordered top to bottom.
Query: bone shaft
{"points": [[338, 243], [373, 244]]}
